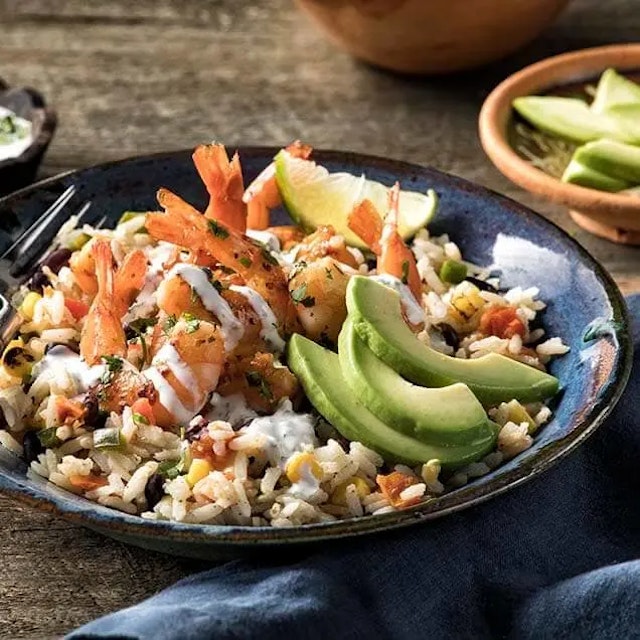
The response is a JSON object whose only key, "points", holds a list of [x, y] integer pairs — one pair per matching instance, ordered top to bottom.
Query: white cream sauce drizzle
{"points": [[17, 146], [270, 240], [412, 308], [230, 327], [269, 331], [169, 357], [63, 359], [168, 397], [285, 433]]}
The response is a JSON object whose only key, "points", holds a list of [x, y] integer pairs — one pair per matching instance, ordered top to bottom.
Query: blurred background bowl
{"points": [[431, 36], [613, 216]]}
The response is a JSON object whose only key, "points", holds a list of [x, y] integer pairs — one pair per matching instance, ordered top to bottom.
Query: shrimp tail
{"points": [[223, 179], [262, 194], [366, 223], [396, 258], [128, 281], [102, 333]]}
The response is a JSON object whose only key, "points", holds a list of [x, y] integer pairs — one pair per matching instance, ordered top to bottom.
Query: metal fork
{"points": [[31, 249]]}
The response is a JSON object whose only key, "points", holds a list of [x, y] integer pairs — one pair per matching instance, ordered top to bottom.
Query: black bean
{"points": [[57, 259], [38, 281], [481, 284], [129, 332], [450, 336], [92, 410], [194, 430], [32, 446], [154, 490]]}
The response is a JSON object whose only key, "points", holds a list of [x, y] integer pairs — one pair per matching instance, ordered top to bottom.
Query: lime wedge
{"points": [[613, 90], [313, 197]]}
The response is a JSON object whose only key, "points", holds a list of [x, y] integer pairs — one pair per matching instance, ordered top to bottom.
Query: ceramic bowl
{"points": [[434, 36], [27, 103], [609, 215], [521, 246]]}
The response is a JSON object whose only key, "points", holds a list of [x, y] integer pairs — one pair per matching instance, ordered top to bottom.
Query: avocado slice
{"points": [[614, 89], [569, 118], [616, 159], [577, 173], [377, 318], [319, 372], [446, 416]]}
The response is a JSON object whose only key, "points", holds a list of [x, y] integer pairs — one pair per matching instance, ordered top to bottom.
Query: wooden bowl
{"points": [[431, 36], [609, 215]]}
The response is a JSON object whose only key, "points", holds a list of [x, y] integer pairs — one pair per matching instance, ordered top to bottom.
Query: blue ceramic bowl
{"points": [[521, 246]]}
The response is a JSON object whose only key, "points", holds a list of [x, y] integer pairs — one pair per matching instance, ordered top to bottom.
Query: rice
{"points": [[244, 474]]}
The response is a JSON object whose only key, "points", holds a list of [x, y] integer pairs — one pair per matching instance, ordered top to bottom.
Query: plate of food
{"points": [[296, 346]]}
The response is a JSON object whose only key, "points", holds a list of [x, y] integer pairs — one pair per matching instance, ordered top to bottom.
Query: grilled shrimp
{"points": [[223, 179], [262, 194], [324, 241], [214, 244], [394, 257], [319, 290], [102, 333]]}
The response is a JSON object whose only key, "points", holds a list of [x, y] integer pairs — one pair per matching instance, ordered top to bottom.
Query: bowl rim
{"points": [[496, 113], [42, 495]]}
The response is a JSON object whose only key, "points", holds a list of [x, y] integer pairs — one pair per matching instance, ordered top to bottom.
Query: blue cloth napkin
{"points": [[555, 558]]}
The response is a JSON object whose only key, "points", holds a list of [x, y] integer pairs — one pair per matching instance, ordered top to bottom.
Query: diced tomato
{"points": [[77, 308], [502, 322], [143, 407], [68, 410], [88, 483], [393, 485]]}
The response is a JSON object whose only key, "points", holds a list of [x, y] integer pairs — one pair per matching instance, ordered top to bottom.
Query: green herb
{"points": [[8, 124], [11, 129], [218, 230], [268, 256], [245, 261], [297, 268], [405, 271], [329, 274], [299, 294], [169, 323], [193, 324], [140, 325], [114, 364], [256, 379], [139, 419], [48, 438], [108, 438], [171, 469]]}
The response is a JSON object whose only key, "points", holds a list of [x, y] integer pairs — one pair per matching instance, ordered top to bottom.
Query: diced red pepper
{"points": [[77, 308], [502, 322], [143, 407], [88, 483], [393, 484]]}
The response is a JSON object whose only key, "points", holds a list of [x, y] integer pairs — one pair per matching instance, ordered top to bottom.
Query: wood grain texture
{"points": [[136, 77]]}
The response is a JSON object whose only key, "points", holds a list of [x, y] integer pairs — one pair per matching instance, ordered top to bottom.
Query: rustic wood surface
{"points": [[136, 77]]}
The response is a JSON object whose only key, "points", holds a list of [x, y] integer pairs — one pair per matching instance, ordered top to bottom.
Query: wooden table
{"points": [[137, 77]]}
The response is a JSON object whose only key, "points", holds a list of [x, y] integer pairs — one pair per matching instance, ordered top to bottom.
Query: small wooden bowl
{"points": [[431, 36], [609, 215]]}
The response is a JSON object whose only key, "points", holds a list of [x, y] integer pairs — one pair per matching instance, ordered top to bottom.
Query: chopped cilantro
{"points": [[218, 230], [268, 256], [245, 261], [405, 271], [329, 274], [299, 294], [169, 323], [193, 324], [114, 364], [256, 379], [139, 419]]}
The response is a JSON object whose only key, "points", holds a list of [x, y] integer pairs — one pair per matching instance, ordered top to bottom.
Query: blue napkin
{"points": [[555, 558]]}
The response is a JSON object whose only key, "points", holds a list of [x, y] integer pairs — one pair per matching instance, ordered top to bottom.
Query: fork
{"points": [[21, 257]]}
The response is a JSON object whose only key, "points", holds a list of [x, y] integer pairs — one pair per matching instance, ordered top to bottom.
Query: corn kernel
{"points": [[28, 305], [17, 360], [518, 414], [296, 463], [198, 470], [339, 496]]}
